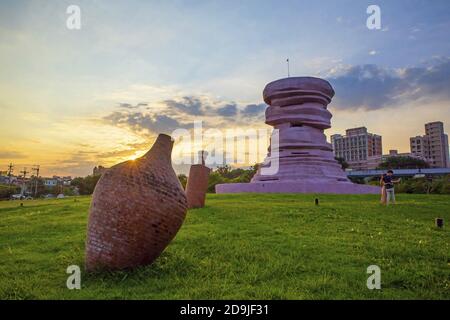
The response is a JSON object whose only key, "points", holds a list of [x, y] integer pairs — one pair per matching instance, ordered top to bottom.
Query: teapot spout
{"points": [[161, 149]]}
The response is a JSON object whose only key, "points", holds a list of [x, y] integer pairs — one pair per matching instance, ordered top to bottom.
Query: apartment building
{"points": [[433, 146], [356, 147]]}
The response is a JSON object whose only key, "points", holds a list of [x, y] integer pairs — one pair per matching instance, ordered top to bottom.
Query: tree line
{"points": [[228, 174]]}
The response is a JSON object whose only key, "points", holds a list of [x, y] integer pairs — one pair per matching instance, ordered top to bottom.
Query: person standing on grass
{"points": [[388, 182], [383, 190]]}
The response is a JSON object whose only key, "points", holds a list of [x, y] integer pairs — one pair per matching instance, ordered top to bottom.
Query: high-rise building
{"points": [[433, 146], [356, 147], [420, 147]]}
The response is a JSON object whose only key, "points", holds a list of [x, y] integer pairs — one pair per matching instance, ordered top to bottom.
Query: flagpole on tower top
{"points": [[287, 61]]}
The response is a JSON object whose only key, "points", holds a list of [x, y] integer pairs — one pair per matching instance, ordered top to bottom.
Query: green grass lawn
{"points": [[242, 247]]}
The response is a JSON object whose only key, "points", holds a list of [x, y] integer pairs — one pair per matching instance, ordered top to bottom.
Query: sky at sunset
{"points": [[74, 99]]}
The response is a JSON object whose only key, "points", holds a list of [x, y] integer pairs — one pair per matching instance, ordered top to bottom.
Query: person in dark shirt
{"points": [[387, 181]]}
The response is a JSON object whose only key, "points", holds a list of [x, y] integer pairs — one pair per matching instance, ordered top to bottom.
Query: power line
{"points": [[36, 170], [10, 171], [24, 172]]}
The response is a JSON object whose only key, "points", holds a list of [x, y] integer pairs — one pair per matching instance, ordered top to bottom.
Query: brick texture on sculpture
{"points": [[306, 164], [197, 183], [137, 208]]}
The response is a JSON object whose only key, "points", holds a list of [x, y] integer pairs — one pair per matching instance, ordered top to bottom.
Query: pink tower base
{"points": [[296, 187]]}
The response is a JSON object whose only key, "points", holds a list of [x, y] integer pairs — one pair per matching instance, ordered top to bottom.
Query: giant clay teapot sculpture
{"points": [[137, 208]]}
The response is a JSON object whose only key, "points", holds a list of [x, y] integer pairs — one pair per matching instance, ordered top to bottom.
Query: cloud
{"points": [[373, 87], [188, 105], [130, 106], [204, 106], [229, 110], [252, 110], [181, 112], [144, 122], [139, 145], [130, 150], [117, 154], [11, 155], [77, 164]]}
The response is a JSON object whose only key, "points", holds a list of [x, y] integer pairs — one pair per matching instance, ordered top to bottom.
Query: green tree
{"points": [[342, 162], [403, 163], [223, 170], [226, 174], [215, 178], [183, 180], [87, 184], [433, 185], [7, 191]]}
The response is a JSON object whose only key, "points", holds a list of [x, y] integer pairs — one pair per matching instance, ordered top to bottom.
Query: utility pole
{"points": [[36, 170], [10, 171], [24, 172]]}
